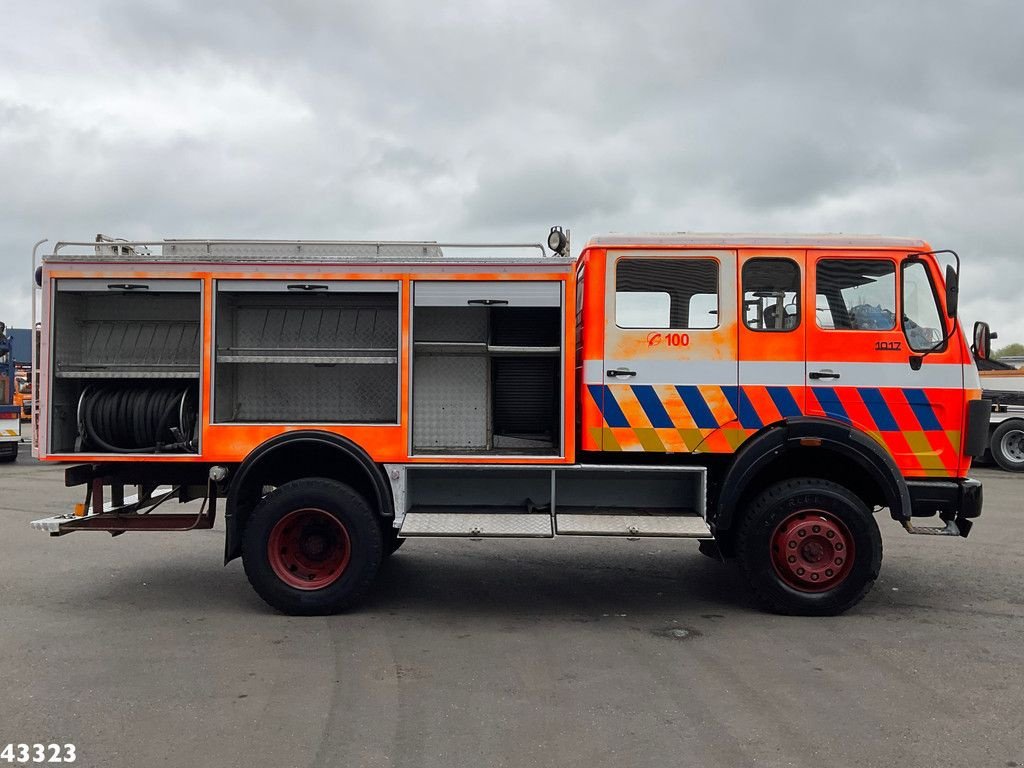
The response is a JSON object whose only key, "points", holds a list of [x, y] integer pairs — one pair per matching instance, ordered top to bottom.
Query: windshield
{"points": [[921, 318]]}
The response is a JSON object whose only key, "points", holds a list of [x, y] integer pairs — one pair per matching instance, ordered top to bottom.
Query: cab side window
{"points": [[666, 293], [771, 294], [856, 294]]}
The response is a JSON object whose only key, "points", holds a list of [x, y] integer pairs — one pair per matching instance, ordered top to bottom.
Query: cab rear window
{"points": [[666, 293], [771, 294], [856, 294]]}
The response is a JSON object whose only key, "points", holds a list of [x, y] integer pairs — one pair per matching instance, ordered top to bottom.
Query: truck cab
{"points": [[695, 345], [764, 395]]}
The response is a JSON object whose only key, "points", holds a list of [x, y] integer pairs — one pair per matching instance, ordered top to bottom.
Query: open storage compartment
{"points": [[295, 352], [487, 362], [126, 363], [477, 500], [536, 500]]}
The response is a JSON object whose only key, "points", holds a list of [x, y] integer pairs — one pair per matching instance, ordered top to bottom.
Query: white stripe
{"points": [[593, 371], [672, 372], [775, 372], [779, 373], [932, 375], [971, 378]]}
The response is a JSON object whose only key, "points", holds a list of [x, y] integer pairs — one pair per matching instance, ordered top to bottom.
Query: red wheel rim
{"points": [[309, 549], [812, 551]]}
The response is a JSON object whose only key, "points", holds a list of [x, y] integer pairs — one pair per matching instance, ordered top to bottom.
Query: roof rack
{"points": [[111, 249]]}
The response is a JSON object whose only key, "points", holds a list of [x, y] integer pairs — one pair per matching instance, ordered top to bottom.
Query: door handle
{"points": [[307, 287], [487, 302], [620, 372], [825, 374]]}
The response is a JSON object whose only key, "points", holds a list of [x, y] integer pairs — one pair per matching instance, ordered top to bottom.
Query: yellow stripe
{"points": [[692, 438], [649, 439], [924, 453]]}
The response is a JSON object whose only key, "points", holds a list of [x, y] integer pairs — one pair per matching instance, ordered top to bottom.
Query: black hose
{"points": [[137, 418]]}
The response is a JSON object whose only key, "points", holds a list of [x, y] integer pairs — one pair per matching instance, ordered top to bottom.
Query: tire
{"points": [[1007, 445], [10, 453], [790, 546], [312, 547]]}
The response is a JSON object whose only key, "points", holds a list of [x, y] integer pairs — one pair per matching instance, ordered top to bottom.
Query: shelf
{"points": [[450, 347], [480, 348], [530, 351], [310, 355], [310, 359], [125, 373]]}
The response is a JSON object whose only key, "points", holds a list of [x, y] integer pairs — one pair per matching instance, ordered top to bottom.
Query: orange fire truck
{"points": [[765, 395]]}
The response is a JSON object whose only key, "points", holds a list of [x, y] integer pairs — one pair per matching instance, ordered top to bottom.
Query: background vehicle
{"points": [[1003, 386], [23, 394], [761, 394], [10, 421]]}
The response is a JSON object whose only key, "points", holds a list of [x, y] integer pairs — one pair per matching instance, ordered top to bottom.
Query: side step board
{"points": [[417, 524], [475, 524], [684, 526]]}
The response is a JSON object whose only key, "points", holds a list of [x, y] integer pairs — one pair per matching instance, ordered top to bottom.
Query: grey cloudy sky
{"points": [[495, 120]]}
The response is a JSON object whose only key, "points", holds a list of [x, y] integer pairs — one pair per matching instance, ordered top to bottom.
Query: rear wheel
{"points": [[1007, 445], [8, 452], [312, 546], [809, 547]]}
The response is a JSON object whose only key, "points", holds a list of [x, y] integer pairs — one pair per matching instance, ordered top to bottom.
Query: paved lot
{"points": [[143, 650]]}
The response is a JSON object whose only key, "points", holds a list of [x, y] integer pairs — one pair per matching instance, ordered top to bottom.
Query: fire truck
{"points": [[766, 396]]}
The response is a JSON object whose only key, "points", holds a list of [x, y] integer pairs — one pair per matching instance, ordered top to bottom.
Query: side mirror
{"points": [[952, 290], [982, 346]]}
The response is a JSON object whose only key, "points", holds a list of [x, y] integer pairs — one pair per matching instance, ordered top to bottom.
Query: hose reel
{"points": [[137, 418]]}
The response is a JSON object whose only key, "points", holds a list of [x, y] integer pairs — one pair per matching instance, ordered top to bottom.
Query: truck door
{"points": [[772, 343], [859, 347], [669, 351]]}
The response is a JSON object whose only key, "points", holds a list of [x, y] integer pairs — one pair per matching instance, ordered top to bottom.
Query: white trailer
{"points": [[1006, 429]]}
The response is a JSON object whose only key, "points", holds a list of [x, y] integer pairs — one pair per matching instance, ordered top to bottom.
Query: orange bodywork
{"points": [[695, 389], [917, 415], [231, 443]]}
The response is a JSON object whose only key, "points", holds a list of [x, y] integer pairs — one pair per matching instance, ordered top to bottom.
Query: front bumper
{"points": [[954, 501]]}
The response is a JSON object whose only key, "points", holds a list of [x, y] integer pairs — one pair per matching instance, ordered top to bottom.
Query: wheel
{"points": [[1007, 445], [10, 452], [311, 547], [809, 547]]}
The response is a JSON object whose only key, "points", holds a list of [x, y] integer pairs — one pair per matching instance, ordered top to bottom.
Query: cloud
{"points": [[496, 120]]}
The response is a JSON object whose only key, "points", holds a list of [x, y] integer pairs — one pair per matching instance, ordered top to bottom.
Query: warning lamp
{"points": [[557, 241]]}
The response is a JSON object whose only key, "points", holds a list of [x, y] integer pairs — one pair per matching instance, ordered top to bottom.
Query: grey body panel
{"points": [[451, 293]]}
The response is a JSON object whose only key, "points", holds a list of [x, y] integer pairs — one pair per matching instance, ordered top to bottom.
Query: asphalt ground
{"points": [[143, 650]]}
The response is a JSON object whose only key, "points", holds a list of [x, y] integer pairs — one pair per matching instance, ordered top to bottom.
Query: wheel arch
{"points": [[809, 446], [294, 455]]}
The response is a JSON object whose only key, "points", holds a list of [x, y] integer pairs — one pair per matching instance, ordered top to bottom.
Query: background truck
{"points": [[1003, 386], [763, 395], [10, 412]]}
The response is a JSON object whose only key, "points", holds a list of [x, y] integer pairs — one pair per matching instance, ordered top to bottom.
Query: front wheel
{"points": [[1007, 445], [312, 546], [809, 547]]}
